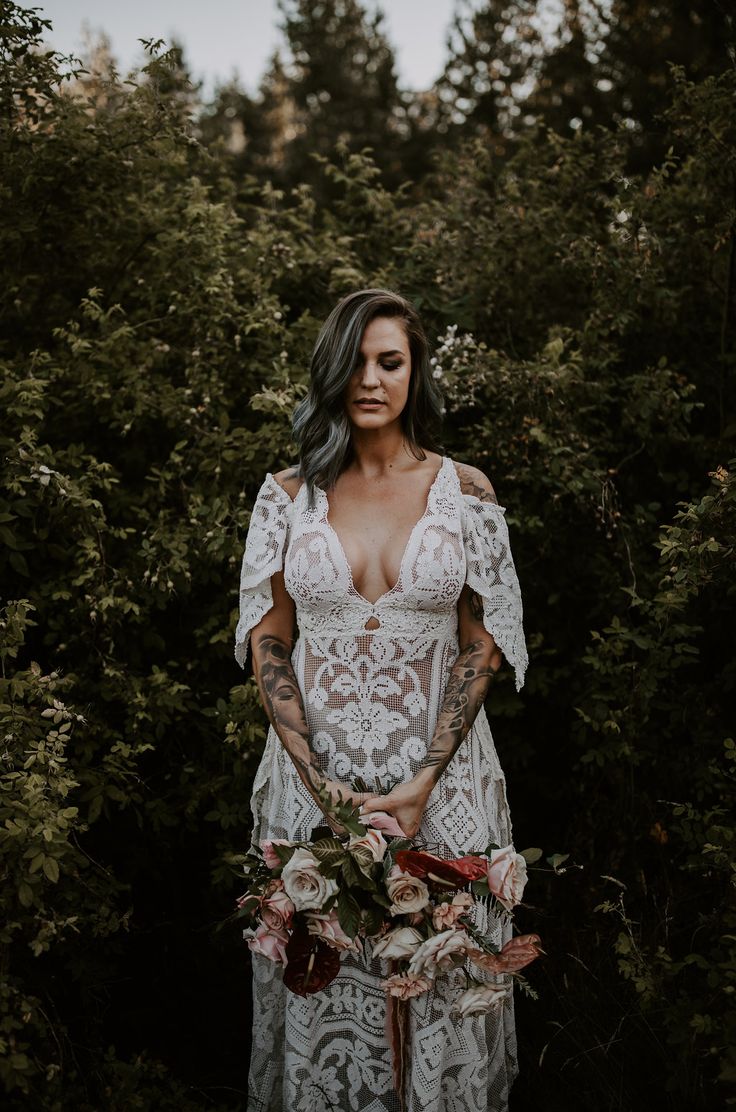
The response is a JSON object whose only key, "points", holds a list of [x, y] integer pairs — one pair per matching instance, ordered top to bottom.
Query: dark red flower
{"points": [[430, 867], [310, 963]]}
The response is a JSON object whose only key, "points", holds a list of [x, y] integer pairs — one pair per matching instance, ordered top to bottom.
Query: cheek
{"points": [[400, 387]]}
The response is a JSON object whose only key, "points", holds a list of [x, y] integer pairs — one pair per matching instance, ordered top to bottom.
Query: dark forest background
{"points": [[562, 210]]}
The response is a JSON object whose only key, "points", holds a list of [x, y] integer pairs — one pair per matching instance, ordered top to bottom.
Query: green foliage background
{"points": [[159, 302]]}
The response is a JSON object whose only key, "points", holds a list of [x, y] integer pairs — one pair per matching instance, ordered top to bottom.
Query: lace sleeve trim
{"points": [[263, 555], [491, 573]]}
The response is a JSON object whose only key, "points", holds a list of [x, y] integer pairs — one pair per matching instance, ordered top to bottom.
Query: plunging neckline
{"points": [[407, 547]]}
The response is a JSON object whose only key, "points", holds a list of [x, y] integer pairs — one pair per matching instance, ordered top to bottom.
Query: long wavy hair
{"points": [[322, 429]]}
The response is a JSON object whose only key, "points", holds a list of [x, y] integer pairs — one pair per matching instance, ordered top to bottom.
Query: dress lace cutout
{"points": [[371, 697]]}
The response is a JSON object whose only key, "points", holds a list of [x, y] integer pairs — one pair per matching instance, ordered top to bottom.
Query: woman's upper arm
{"points": [[280, 620]]}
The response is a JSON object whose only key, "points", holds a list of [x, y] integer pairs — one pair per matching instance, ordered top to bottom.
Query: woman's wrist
{"points": [[424, 780]]}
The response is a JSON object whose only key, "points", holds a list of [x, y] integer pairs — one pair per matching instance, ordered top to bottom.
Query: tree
{"points": [[641, 39], [493, 51], [343, 84]]}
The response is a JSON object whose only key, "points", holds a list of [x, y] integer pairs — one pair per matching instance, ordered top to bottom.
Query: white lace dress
{"points": [[371, 700]]}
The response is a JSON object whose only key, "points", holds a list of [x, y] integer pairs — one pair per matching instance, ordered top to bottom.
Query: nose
{"points": [[369, 374]]}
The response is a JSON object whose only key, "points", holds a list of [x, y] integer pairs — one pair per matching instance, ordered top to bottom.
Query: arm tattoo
{"points": [[469, 483], [476, 606], [464, 695], [282, 700]]}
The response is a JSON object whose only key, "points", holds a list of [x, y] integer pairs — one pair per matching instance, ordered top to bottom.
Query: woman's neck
{"points": [[379, 451]]}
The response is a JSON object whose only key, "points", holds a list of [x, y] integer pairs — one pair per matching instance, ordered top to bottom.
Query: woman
{"points": [[394, 562]]}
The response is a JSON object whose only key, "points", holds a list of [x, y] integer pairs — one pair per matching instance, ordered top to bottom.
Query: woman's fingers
{"points": [[373, 802]]}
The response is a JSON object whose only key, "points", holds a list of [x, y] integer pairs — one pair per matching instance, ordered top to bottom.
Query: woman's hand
{"points": [[357, 799], [406, 802]]}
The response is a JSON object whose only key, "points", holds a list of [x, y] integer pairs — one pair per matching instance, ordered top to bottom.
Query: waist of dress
{"points": [[394, 622]]}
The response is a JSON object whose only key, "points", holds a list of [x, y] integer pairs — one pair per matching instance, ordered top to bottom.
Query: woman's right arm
{"points": [[272, 642]]}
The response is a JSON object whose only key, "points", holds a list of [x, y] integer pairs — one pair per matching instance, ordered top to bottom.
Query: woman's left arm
{"points": [[467, 685]]}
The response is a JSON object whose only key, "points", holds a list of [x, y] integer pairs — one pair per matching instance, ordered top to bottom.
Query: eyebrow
{"points": [[394, 351]]}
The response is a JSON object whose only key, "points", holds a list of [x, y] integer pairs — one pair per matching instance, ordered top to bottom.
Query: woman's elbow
{"points": [[486, 653]]}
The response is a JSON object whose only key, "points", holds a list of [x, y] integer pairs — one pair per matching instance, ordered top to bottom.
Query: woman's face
{"points": [[379, 387]]}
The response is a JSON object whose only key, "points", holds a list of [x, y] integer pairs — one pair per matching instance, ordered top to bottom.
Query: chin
{"points": [[379, 417]]}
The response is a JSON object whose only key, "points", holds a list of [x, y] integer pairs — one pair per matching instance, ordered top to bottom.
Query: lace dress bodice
{"points": [[371, 699]]}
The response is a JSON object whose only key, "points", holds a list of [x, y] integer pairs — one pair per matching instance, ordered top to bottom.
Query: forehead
{"points": [[385, 334]]}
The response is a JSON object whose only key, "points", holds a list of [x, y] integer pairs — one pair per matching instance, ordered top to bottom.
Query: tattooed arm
{"points": [[477, 662], [467, 686]]}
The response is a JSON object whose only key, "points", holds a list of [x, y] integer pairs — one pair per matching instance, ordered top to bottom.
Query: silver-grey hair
{"points": [[320, 422]]}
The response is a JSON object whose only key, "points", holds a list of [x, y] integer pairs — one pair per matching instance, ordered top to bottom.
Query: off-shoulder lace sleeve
{"points": [[263, 555], [491, 573]]}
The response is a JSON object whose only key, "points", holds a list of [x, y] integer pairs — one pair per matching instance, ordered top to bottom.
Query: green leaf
{"points": [[531, 856], [51, 869], [25, 894], [348, 913]]}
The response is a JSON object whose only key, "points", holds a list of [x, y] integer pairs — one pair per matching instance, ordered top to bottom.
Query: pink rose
{"points": [[381, 820], [372, 842], [269, 853], [507, 876], [277, 910], [446, 915], [326, 926], [270, 943], [440, 952], [405, 986]]}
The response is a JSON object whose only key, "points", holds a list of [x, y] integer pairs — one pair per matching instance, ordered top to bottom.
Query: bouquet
{"points": [[310, 902]]}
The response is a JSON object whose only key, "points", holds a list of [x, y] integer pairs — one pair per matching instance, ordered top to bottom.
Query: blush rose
{"points": [[507, 876], [326, 925], [270, 943]]}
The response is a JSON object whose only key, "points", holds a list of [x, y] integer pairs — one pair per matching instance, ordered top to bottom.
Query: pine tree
{"points": [[492, 54], [344, 87], [568, 92]]}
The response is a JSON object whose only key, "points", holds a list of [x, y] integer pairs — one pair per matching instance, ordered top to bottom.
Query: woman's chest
{"points": [[428, 572]]}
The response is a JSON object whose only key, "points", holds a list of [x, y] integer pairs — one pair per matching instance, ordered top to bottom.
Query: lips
{"points": [[369, 403]]}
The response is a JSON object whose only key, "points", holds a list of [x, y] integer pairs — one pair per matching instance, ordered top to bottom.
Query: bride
{"points": [[378, 596]]}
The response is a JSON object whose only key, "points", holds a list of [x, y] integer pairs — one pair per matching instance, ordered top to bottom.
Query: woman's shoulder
{"points": [[289, 480], [474, 482]]}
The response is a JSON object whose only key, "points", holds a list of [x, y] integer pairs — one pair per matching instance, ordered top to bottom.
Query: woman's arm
{"points": [[272, 641], [467, 685]]}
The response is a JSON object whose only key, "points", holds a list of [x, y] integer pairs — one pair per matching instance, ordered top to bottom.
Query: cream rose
{"points": [[372, 840], [507, 876], [305, 885], [408, 893], [446, 915], [326, 925], [399, 943], [439, 952], [404, 986], [479, 999]]}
